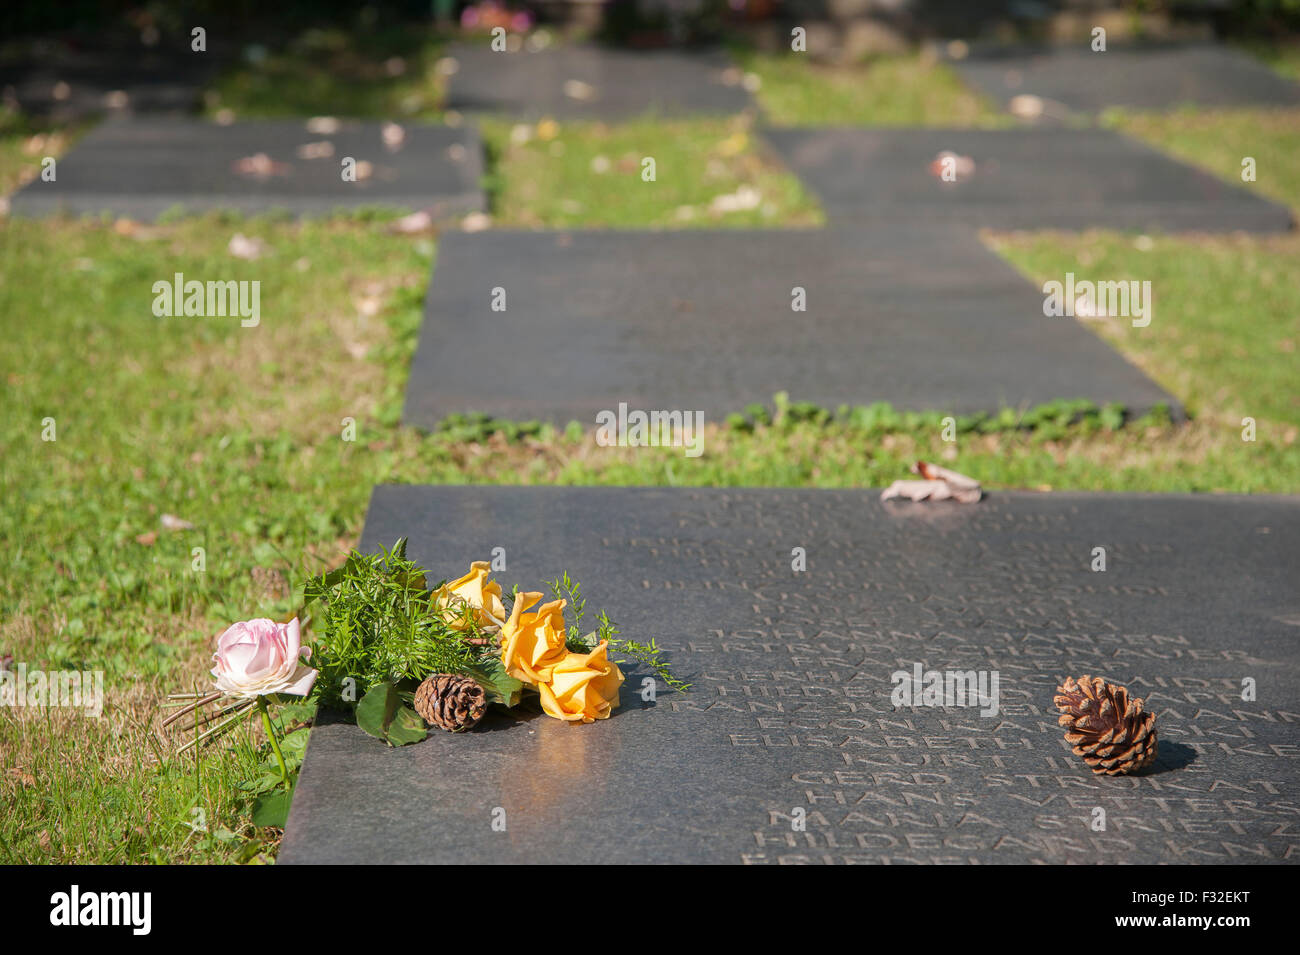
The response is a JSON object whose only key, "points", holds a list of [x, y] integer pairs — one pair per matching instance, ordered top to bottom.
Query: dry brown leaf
{"points": [[260, 166], [414, 223], [936, 484], [24, 778]]}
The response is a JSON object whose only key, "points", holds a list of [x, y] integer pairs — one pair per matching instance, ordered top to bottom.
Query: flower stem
{"points": [[275, 744]]}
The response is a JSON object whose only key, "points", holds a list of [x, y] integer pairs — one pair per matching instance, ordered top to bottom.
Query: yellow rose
{"points": [[475, 590], [532, 643], [583, 686]]}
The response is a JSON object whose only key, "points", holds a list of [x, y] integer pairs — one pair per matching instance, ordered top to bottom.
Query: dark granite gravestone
{"points": [[1138, 77], [68, 80], [593, 83], [143, 167], [1038, 178], [924, 318], [790, 718]]}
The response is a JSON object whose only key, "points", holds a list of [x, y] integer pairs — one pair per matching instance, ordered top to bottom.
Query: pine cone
{"points": [[451, 701], [1106, 726]]}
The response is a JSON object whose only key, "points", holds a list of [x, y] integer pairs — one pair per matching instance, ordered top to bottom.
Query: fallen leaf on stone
{"points": [[577, 89], [116, 99], [1026, 106], [224, 116], [323, 125], [393, 136], [321, 150], [457, 152], [260, 166], [961, 166], [364, 169], [476, 222], [413, 224], [242, 247], [936, 484], [171, 522]]}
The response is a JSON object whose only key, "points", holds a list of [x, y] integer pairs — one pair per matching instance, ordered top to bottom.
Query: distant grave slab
{"points": [[1157, 78], [67, 82], [588, 82], [143, 167], [1037, 178], [925, 318], [791, 706]]}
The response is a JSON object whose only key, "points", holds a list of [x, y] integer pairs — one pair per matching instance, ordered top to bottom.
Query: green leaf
{"points": [[499, 685], [382, 714], [406, 727], [262, 783], [272, 809]]}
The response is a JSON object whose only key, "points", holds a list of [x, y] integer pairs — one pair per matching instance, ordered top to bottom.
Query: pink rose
{"points": [[258, 657]]}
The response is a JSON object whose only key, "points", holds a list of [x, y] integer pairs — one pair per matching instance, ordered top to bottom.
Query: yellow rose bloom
{"points": [[476, 590], [532, 643], [583, 686]]}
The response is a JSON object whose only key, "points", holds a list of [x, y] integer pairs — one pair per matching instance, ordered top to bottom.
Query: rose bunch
{"points": [[573, 686]]}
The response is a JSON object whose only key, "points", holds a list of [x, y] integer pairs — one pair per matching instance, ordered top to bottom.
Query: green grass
{"points": [[1282, 56], [390, 74], [902, 90], [1218, 140], [24, 143], [707, 172], [1224, 329], [240, 430]]}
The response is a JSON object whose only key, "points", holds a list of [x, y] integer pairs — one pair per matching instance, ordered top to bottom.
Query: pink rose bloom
{"points": [[259, 657]]}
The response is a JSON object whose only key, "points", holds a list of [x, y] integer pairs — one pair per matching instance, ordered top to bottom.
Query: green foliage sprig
{"points": [[378, 622], [647, 654]]}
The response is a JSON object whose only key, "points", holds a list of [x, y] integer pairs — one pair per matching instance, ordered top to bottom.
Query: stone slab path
{"points": [[1156, 78], [593, 83], [143, 167], [1036, 178], [922, 317], [791, 705]]}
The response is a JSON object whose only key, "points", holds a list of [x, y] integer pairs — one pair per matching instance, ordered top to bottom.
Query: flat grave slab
{"points": [[1156, 77], [69, 81], [588, 82], [142, 167], [1036, 178], [922, 317], [793, 674]]}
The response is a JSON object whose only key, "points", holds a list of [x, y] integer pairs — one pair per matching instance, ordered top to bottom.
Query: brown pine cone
{"points": [[451, 701], [1106, 726]]}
